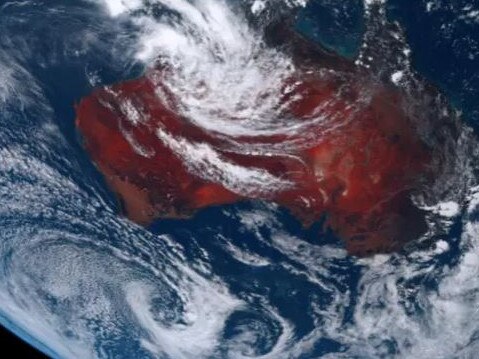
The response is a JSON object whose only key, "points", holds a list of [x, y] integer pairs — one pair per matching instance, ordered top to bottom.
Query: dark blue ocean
{"points": [[242, 281]]}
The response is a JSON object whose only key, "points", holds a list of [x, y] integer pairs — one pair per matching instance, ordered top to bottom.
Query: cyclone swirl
{"points": [[242, 279]]}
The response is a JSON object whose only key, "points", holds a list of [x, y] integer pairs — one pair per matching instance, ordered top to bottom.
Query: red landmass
{"points": [[359, 172]]}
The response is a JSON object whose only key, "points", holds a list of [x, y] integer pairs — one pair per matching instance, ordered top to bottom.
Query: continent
{"points": [[353, 150]]}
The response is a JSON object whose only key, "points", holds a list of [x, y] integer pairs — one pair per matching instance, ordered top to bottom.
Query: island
{"points": [[361, 154]]}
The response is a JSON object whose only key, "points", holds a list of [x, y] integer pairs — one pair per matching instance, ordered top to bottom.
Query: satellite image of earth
{"points": [[189, 179]]}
